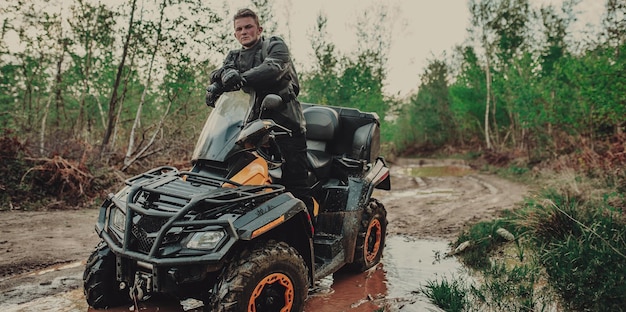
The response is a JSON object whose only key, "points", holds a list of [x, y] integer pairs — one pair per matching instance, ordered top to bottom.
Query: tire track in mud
{"points": [[441, 206]]}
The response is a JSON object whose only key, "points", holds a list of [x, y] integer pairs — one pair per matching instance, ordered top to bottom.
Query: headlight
{"points": [[118, 219], [205, 240]]}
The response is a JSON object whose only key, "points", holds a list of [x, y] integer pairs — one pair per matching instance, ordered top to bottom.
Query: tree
{"points": [[265, 11], [482, 13], [615, 24], [34, 26], [92, 27], [510, 27], [502, 28], [615, 28], [554, 30], [158, 34], [164, 45], [555, 49], [361, 80], [321, 84], [56, 86], [468, 93], [114, 99], [429, 110]]}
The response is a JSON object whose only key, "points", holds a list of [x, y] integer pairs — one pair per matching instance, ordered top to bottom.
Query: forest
{"points": [[92, 87], [91, 93]]}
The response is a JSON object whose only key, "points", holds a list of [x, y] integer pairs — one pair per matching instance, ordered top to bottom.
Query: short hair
{"points": [[247, 13]]}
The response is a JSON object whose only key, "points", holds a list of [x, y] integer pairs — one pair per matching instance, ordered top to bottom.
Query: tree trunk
{"points": [[57, 94], [83, 95], [122, 97], [114, 98], [487, 104], [42, 133], [131, 140], [139, 154]]}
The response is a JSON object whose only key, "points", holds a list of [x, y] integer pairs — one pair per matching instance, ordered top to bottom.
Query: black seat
{"points": [[321, 125]]}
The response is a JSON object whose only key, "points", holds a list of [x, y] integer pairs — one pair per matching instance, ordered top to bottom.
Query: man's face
{"points": [[247, 32]]}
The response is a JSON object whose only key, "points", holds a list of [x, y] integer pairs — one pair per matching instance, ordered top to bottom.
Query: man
{"points": [[264, 65]]}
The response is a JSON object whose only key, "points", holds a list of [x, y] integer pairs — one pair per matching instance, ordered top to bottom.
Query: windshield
{"points": [[218, 137]]}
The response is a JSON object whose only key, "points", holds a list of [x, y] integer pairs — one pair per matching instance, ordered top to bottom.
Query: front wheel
{"points": [[371, 238], [271, 277], [101, 288]]}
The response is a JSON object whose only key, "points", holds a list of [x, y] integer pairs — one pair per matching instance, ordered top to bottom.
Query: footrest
{"points": [[326, 246]]}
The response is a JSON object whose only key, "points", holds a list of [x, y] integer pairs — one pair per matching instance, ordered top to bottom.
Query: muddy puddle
{"points": [[409, 265], [394, 285]]}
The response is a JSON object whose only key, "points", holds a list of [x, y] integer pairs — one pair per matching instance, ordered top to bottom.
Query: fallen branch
{"points": [[62, 173]]}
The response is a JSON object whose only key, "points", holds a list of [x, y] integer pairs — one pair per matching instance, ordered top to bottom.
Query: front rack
{"points": [[186, 200]]}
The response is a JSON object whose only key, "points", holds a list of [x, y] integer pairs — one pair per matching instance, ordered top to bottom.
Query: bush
{"points": [[575, 231], [582, 246]]}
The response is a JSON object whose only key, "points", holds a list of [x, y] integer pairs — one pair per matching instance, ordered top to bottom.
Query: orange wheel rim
{"points": [[372, 240], [273, 279]]}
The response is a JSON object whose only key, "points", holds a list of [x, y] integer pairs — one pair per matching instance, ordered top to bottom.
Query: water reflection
{"points": [[409, 264], [394, 285], [349, 292]]}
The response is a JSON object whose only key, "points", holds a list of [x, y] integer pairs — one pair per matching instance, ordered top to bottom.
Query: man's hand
{"points": [[232, 80], [212, 94]]}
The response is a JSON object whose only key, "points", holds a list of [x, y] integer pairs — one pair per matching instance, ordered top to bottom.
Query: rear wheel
{"points": [[371, 238], [272, 277], [100, 286]]}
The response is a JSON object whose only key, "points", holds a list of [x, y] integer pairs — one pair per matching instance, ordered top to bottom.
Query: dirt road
{"points": [[437, 198], [41, 253]]}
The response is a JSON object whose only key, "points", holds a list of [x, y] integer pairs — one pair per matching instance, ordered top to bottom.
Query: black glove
{"points": [[232, 80], [213, 92]]}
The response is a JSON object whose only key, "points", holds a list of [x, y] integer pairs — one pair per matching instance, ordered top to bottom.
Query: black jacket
{"points": [[268, 69]]}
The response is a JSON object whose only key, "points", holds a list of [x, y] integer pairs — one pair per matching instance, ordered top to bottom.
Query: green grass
{"points": [[484, 240], [582, 246], [566, 249], [508, 287], [451, 296]]}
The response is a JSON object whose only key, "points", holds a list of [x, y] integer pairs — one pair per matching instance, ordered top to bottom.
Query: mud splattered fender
{"points": [[269, 215]]}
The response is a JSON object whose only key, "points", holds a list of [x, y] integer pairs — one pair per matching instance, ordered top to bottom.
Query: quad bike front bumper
{"points": [[173, 228]]}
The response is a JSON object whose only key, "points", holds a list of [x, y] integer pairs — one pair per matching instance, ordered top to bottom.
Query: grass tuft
{"points": [[451, 296]]}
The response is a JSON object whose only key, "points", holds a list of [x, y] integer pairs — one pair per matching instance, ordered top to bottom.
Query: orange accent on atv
{"points": [[273, 280]]}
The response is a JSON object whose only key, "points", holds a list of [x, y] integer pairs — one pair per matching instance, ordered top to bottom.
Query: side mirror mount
{"points": [[271, 102]]}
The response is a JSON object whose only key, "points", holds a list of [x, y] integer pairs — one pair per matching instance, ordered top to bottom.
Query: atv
{"points": [[226, 232]]}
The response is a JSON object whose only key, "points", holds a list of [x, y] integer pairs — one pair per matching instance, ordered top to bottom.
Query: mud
{"points": [[438, 198], [42, 253]]}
